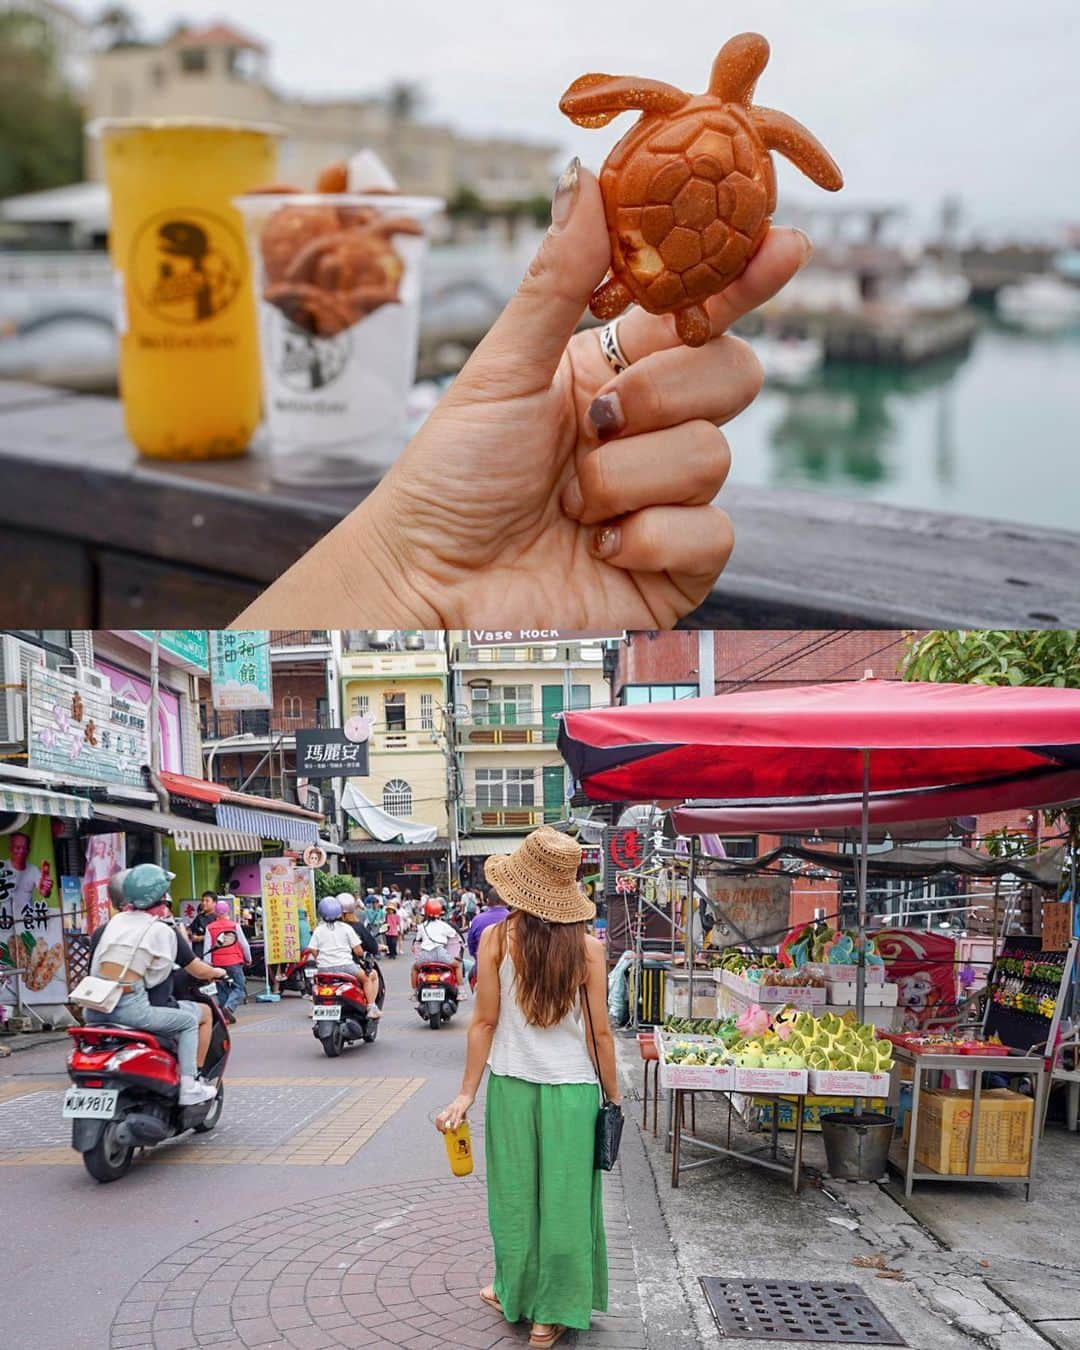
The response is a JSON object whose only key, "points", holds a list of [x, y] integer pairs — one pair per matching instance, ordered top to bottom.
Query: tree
{"points": [[117, 27], [404, 100], [41, 132], [465, 202], [1043, 657], [327, 884]]}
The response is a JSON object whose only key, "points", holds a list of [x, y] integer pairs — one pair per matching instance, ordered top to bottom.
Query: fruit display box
{"points": [[874, 974], [799, 995], [875, 995], [708, 1077], [792, 1081], [848, 1083], [757, 1112]]}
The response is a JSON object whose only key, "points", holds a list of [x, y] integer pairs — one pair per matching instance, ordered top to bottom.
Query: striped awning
{"points": [[42, 802], [267, 824], [191, 836], [482, 846]]}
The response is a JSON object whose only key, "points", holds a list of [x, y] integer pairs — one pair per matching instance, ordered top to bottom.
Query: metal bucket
{"points": [[856, 1146]]}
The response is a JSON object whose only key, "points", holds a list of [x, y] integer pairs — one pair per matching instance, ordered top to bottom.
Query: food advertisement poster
{"points": [[240, 671], [105, 854], [281, 889], [31, 919]]}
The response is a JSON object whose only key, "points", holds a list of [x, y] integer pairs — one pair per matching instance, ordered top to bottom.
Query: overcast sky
{"points": [[914, 98]]}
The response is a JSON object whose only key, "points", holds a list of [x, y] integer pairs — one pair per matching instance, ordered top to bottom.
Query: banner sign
{"points": [[532, 637], [188, 646], [240, 671], [137, 691], [85, 732], [330, 754], [623, 852], [105, 856], [281, 891], [750, 909], [31, 916], [924, 966]]}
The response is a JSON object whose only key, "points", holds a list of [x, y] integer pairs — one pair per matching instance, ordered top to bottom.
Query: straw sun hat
{"points": [[541, 878]]}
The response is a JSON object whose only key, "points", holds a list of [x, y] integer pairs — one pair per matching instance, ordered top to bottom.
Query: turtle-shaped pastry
{"points": [[690, 189]]}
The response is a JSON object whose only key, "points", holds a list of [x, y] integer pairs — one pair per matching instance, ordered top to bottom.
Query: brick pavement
{"points": [[385, 1266]]}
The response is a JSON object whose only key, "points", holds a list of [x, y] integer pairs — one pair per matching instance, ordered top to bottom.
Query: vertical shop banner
{"points": [[240, 671], [105, 856], [305, 892], [31, 919], [281, 922]]}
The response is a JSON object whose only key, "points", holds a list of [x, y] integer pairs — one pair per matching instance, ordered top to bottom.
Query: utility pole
{"points": [[706, 664], [334, 718], [155, 738], [453, 785]]}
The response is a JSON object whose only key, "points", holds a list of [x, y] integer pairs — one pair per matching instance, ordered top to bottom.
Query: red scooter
{"points": [[437, 992], [339, 1012], [125, 1092]]}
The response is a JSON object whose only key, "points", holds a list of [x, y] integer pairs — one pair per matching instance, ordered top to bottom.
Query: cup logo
{"points": [[188, 265], [307, 363]]}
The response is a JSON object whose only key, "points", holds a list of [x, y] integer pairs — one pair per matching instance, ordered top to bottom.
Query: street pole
{"points": [[706, 663], [333, 705], [155, 739]]}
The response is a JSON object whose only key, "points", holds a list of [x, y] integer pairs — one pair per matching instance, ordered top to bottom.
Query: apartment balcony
{"points": [[298, 644], [585, 655], [216, 726], [487, 734], [502, 818]]}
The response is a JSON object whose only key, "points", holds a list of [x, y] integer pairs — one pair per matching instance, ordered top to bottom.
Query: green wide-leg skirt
{"points": [[545, 1204]]}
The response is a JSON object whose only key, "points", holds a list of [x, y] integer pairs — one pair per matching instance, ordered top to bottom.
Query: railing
{"points": [[286, 639], [526, 655], [217, 725], [523, 730], [504, 817]]}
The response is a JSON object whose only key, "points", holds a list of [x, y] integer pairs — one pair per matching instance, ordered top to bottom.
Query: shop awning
{"points": [[790, 742], [42, 802], [289, 829], [192, 836], [484, 845], [377, 848]]}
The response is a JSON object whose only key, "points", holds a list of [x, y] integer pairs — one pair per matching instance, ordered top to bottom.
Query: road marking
{"points": [[331, 1140]]}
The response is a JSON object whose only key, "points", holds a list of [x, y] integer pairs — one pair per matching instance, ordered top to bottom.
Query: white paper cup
{"points": [[335, 405]]}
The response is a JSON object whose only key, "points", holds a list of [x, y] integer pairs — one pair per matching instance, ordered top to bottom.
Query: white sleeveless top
{"points": [[537, 1054]]}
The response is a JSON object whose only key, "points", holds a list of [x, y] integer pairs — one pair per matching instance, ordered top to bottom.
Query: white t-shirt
{"points": [[436, 933], [141, 940], [333, 945]]}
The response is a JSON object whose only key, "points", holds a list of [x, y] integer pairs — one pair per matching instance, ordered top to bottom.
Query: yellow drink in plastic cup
{"points": [[189, 351], [459, 1149]]}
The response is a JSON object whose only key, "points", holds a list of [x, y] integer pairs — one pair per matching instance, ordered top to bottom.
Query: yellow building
{"points": [[398, 681], [506, 698]]}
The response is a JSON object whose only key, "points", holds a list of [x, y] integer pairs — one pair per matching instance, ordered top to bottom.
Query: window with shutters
{"points": [[397, 797]]}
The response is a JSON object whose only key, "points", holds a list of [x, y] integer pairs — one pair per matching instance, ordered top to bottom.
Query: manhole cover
{"points": [[786, 1310]]}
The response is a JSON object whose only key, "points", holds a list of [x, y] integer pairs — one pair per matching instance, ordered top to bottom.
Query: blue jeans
{"points": [[236, 990], [137, 1012]]}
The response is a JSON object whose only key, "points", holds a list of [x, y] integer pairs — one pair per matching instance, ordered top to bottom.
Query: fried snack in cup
{"points": [[334, 178], [288, 231]]}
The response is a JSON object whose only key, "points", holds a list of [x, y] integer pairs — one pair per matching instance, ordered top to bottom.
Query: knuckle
{"points": [[748, 367], [711, 457], [596, 479]]}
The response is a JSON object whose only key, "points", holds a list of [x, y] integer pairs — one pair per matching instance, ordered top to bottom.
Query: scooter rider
{"points": [[368, 939], [437, 940], [338, 946], [139, 949]]}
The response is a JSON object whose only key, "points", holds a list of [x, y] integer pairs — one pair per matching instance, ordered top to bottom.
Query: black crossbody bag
{"points": [[609, 1119]]}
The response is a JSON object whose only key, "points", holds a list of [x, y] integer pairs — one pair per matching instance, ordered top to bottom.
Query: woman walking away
{"points": [[541, 977]]}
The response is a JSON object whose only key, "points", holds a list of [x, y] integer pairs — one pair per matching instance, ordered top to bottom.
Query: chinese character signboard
{"points": [[187, 646], [240, 671], [85, 732], [330, 754], [623, 852], [105, 855], [281, 890], [750, 909], [31, 922]]}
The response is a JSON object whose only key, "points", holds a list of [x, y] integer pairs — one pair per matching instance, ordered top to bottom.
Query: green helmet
{"points": [[143, 886]]}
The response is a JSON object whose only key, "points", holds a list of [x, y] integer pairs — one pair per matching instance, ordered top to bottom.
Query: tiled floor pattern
{"points": [[309, 1121], [382, 1267]]}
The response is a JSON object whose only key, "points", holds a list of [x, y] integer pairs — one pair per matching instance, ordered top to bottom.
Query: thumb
{"points": [[522, 350]]}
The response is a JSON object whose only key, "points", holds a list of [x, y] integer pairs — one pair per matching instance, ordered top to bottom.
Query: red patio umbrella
{"points": [[834, 740]]}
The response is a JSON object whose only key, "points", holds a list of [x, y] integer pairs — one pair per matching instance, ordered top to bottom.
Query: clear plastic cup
{"points": [[338, 279], [189, 368]]}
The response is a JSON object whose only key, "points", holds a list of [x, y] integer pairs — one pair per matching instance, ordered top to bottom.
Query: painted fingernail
{"points": [[565, 194], [807, 247], [606, 414], [573, 502], [606, 541]]}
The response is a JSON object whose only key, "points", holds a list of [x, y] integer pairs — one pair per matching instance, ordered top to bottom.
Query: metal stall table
{"points": [[676, 1135]]}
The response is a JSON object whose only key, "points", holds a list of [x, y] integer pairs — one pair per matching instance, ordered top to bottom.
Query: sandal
{"points": [[492, 1302], [547, 1338]]}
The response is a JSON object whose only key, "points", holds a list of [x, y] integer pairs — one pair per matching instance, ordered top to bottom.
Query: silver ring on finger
{"points": [[610, 349]]}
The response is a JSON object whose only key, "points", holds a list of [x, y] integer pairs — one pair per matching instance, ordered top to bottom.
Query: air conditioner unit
{"points": [[381, 638], [17, 659], [92, 679], [481, 693]]}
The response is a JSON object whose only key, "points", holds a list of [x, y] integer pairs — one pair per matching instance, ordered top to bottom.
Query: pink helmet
{"points": [[223, 908]]}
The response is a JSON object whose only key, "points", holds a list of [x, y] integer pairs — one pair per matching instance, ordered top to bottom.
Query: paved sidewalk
{"points": [[387, 1266]]}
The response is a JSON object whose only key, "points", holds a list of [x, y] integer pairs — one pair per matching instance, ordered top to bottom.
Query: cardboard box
{"points": [[829, 972], [799, 995], [876, 995], [677, 1003], [706, 1077], [793, 1081], [842, 1082], [760, 1113], [1003, 1146]]}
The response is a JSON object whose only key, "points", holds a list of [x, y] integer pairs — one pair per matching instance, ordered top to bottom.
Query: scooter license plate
{"points": [[431, 995], [330, 1013], [90, 1103]]}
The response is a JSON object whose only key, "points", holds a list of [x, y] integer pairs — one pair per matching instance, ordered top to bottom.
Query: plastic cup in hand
{"points": [[338, 278], [185, 305], [459, 1149]]}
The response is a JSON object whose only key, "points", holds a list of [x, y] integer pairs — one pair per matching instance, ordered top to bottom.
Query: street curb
{"points": [[14, 1045]]}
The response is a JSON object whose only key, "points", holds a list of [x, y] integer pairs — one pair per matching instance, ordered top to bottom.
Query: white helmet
{"points": [[347, 902]]}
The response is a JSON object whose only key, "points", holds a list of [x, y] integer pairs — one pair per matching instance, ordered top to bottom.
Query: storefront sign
{"points": [[534, 637], [189, 646], [240, 671], [137, 691], [85, 732], [330, 754], [623, 853], [105, 856], [282, 890], [305, 893], [750, 909], [31, 918]]}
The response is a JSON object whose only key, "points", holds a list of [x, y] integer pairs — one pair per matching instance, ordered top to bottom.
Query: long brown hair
{"points": [[549, 963]]}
